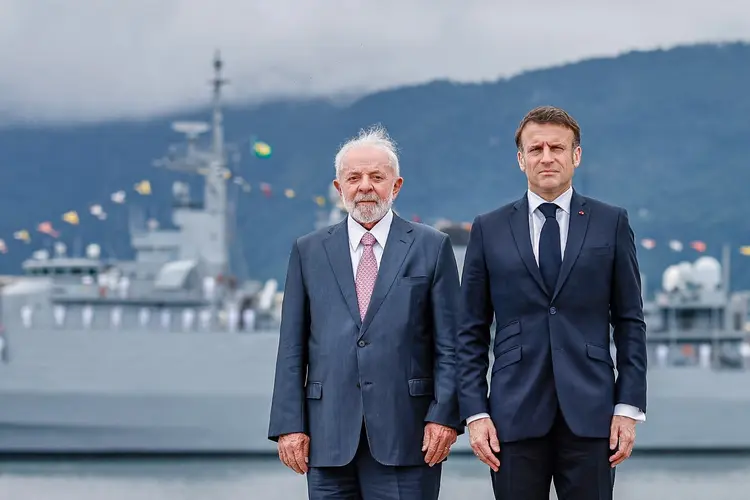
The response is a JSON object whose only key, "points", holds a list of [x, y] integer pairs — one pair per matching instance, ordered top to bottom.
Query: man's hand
{"points": [[622, 432], [483, 439], [437, 442], [293, 451]]}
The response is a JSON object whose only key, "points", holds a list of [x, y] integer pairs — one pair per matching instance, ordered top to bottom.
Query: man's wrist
{"points": [[476, 417]]}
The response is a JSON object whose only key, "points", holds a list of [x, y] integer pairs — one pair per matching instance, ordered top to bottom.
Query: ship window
{"points": [[685, 319], [698, 319]]}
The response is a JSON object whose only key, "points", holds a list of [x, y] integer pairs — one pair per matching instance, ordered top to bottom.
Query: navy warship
{"points": [[163, 353], [167, 353]]}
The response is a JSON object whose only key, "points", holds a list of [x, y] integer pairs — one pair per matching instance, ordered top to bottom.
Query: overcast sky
{"points": [[98, 59]]}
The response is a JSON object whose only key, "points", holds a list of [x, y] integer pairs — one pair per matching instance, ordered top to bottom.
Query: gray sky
{"points": [[97, 59]]}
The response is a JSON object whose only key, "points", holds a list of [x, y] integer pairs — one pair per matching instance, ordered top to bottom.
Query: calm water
{"points": [[642, 478]]}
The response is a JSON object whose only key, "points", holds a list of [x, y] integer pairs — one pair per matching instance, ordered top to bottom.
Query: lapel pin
{"points": [[580, 212]]}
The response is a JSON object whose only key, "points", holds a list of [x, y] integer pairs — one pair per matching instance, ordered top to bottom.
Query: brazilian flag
{"points": [[261, 149]]}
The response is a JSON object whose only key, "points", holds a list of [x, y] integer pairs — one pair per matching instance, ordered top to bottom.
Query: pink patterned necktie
{"points": [[367, 272]]}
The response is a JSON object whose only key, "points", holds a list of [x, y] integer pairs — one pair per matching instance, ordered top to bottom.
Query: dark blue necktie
{"points": [[550, 255]]}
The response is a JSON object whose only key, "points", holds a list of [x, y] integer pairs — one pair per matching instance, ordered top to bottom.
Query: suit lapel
{"points": [[579, 222], [519, 224], [397, 246], [337, 248]]}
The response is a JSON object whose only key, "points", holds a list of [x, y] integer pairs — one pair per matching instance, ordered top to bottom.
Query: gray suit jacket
{"points": [[395, 370]]}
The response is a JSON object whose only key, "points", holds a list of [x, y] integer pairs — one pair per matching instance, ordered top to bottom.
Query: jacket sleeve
{"points": [[445, 298], [626, 313], [474, 328], [288, 400]]}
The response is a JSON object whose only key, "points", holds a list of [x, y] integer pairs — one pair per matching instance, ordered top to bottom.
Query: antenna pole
{"points": [[218, 82], [216, 185]]}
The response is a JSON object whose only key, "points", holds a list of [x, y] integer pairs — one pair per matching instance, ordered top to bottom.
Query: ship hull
{"points": [[104, 392], [86, 423], [89, 423]]}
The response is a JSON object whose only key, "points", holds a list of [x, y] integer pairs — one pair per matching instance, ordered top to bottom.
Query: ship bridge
{"points": [[62, 266]]}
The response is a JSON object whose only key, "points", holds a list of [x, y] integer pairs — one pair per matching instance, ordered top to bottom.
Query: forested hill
{"points": [[665, 134]]}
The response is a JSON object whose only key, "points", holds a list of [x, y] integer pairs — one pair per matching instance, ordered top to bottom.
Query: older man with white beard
{"points": [[364, 399]]}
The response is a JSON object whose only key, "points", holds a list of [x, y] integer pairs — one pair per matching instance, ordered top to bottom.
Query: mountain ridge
{"points": [[662, 135]]}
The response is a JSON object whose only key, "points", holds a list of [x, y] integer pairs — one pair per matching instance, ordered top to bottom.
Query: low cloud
{"points": [[91, 60]]}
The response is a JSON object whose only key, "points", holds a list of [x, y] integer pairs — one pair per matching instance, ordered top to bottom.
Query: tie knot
{"points": [[548, 209], [368, 239]]}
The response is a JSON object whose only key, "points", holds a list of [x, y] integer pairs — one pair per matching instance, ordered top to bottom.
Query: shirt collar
{"points": [[562, 201], [379, 230]]}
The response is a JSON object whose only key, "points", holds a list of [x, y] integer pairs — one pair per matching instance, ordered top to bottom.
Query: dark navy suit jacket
{"points": [[552, 346], [395, 369]]}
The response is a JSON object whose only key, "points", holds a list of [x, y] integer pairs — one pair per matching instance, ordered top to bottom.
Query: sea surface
{"points": [[640, 478]]}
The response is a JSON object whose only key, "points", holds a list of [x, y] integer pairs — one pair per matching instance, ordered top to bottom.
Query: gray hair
{"points": [[376, 136]]}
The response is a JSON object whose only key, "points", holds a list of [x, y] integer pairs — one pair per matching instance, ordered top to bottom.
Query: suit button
{"points": [[553, 310], [361, 343], [357, 385]]}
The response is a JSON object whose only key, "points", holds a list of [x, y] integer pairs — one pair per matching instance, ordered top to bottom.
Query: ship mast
{"points": [[218, 128], [212, 165], [215, 195]]}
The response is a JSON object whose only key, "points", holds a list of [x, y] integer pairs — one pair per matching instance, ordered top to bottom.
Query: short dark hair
{"points": [[550, 114]]}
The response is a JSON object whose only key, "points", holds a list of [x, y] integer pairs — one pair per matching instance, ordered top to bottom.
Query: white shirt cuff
{"points": [[620, 409], [630, 411], [476, 417]]}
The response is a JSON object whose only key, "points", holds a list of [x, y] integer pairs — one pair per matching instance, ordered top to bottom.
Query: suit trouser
{"points": [[579, 466], [364, 478]]}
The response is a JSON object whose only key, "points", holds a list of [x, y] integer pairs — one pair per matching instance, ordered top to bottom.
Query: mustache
{"points": [[366, 198]]}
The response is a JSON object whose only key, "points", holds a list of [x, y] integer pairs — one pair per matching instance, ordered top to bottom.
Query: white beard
{"points": [[366, 214]]}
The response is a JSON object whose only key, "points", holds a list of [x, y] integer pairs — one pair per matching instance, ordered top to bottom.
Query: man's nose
{"points": [[546, 154], [365, 185]]}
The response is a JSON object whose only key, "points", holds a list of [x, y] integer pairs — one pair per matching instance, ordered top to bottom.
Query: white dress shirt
{"points": [[536, 221], [379, 231]]}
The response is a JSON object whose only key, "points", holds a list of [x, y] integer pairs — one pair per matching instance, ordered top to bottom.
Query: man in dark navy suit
{"points": [[555, 269], [365, 397]]}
